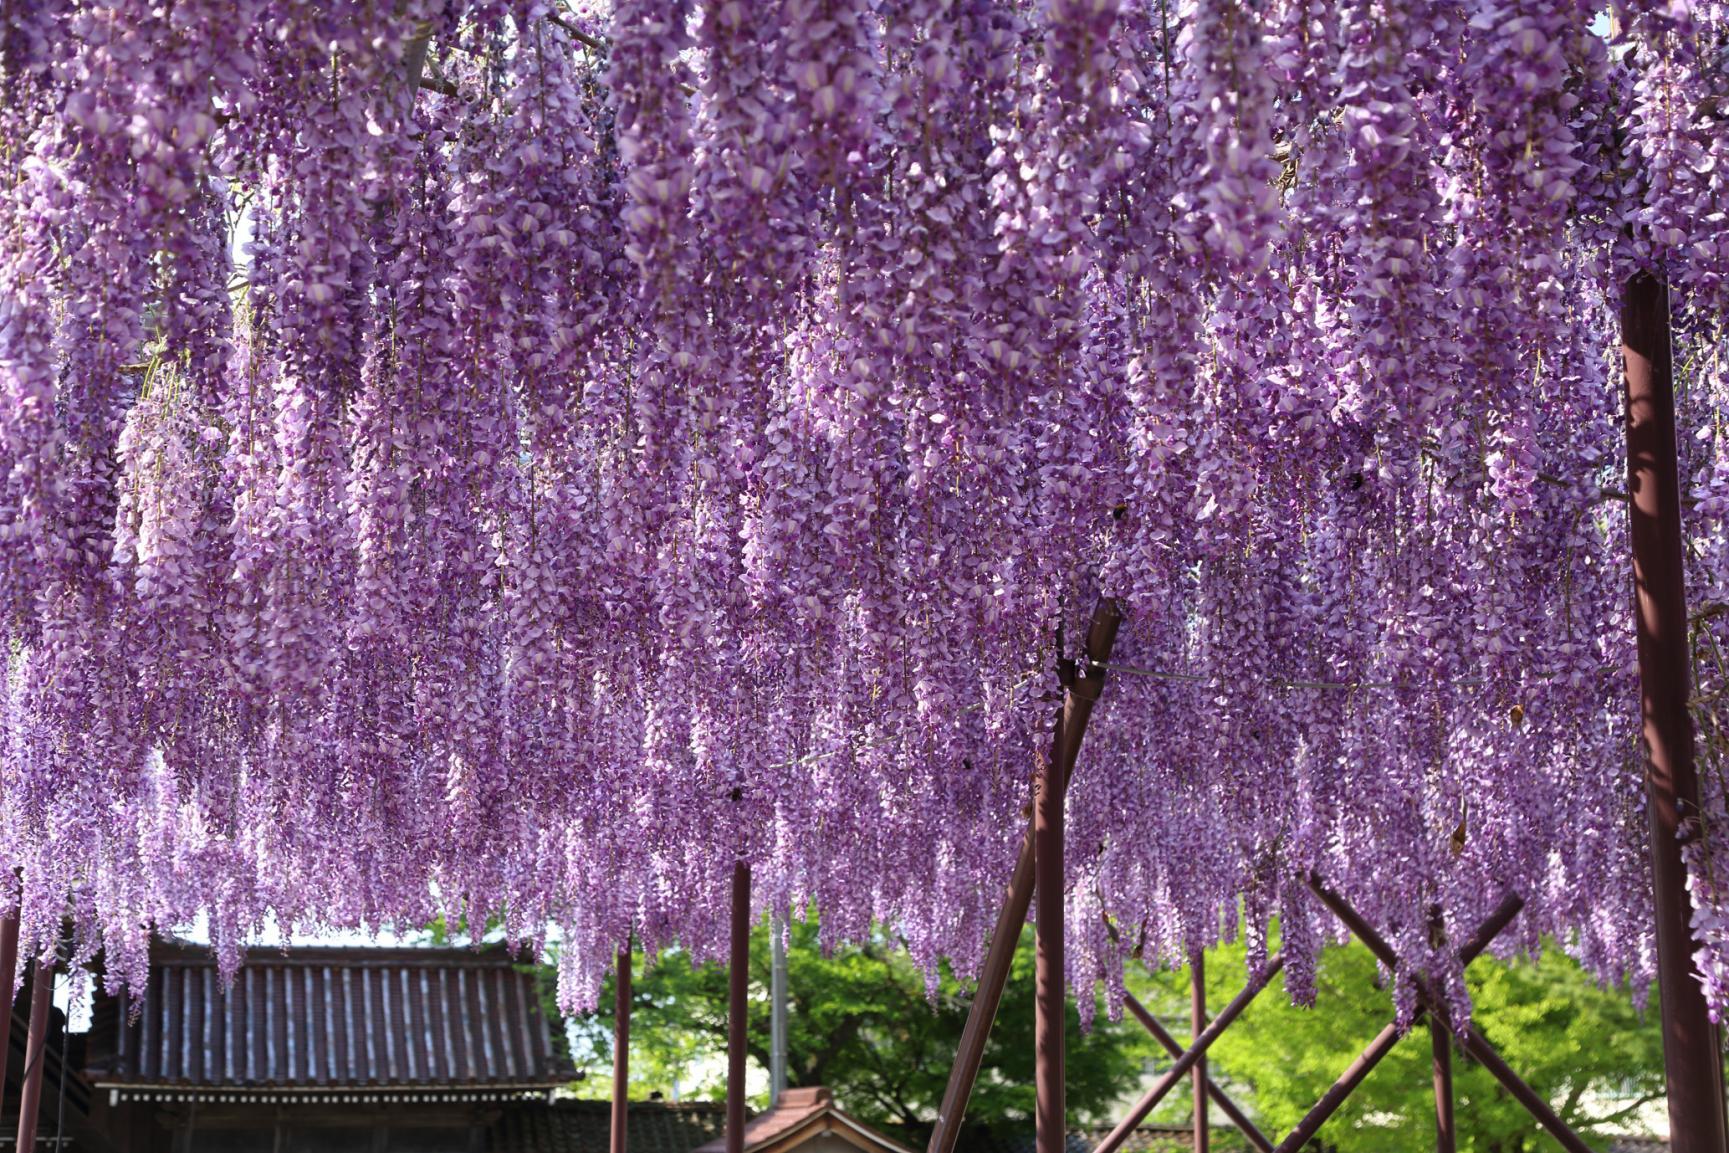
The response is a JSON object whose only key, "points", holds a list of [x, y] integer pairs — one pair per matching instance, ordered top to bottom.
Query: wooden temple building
{"points": [[310, 1050], [377, 1050], [808, 1121]]}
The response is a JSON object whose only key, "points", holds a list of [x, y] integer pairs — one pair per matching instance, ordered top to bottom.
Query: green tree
{"points": [[861, 1021], [1585, 1048]]}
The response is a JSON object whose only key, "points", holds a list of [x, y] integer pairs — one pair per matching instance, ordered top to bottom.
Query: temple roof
{"points": [[390, 1024], [799, 1115]]}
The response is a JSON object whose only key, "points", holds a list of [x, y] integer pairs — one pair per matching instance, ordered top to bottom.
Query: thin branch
{"points": [[578, 34], [596, 44], [414, 55], [1620, 1114]]}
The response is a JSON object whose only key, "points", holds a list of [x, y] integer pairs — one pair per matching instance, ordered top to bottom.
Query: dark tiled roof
{"points": [[325, 1018], [585, 1127]]}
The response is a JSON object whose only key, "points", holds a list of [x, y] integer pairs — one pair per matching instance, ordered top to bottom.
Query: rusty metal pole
{"points": [[1006, 936], [8, 964], [738, 1007], [982, 1013], [1198, 1025], [35, 1054], [1692, 1055], [1441, 1060], [1048, 1079], [1050, 1082], [620, 1137]]}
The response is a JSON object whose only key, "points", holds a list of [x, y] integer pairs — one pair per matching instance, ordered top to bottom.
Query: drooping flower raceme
{"points": [[523, 481]]}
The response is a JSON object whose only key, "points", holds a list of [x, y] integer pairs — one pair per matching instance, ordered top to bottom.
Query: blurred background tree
{"points": [[863, 1022], [1586, 1049]]}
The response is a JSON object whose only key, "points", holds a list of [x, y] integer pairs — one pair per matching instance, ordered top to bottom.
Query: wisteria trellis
{"points": [[687, 431]]}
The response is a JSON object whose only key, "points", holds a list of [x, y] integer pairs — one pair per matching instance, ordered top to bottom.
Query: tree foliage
{"points": [[863, 1023], [1585, 1048]]}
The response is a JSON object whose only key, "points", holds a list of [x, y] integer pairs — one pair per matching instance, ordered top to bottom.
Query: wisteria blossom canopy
{"points": [[516, 460]]}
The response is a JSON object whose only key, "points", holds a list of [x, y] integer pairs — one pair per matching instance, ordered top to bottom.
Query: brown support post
{"points": [[1005, 937], [8, 963], [738, 1007], [982, 1013], [1198, 1024], [1473, 1043], [1197, 1048], [1691, 1048], [35, 1054], [1441, 1054], [1485, 1055], [1441, 1060], [1342, 1088], [1220, 1098], [1051, 1121], [620, 1137]]}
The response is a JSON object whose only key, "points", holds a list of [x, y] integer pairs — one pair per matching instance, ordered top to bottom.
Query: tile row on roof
{"points": [[325, 1020]]}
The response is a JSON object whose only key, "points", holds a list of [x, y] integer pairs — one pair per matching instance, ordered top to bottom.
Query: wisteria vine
{"points": [[512, 460]]}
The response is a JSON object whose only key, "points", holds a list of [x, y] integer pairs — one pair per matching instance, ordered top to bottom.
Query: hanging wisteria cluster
{"points": [[516, 460]]}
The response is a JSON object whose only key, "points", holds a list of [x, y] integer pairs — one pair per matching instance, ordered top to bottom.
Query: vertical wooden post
{"points": [[1005, 938], [8, 963], [738, 1008], [1197, 1025], [1441, 1050], [35, 1054], [1692, 1055], [1441, 1060], [1048, 1073], [620, 1136]]}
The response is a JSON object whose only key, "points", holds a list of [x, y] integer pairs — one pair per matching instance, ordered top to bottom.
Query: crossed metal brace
{"points": [[1444, 1034], [1467, 1038], [1187, 1058], [1195, 1065], [1220, 1098]]}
